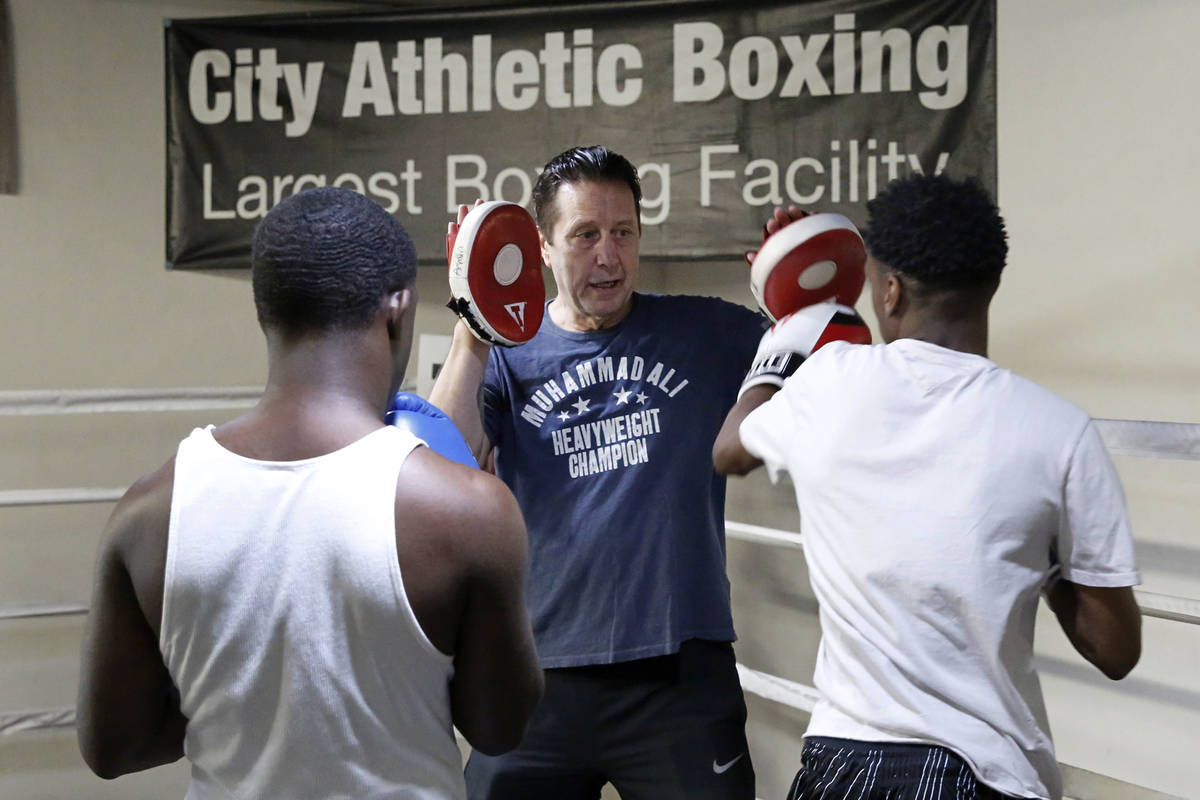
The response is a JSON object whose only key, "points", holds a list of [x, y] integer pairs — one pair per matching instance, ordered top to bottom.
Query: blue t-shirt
{"points": [[606, 438]]}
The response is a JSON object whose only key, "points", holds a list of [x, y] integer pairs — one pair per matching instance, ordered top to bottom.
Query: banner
{"points": [[8, 106], [727, 109]]}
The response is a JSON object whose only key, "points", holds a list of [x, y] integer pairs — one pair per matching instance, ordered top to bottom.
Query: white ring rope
{"points": [[92, 401], [1141, 438], [1146, 439], [55, 497], [757, 533], [1152, 604], [1165, 606], [47, 610], [777, 689], [49, 719]]}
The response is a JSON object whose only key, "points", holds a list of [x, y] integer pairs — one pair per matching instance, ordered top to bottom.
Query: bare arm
{"points": [[456, 391], [730, 456], [1103, 624], [497, 681], [128, 716]]}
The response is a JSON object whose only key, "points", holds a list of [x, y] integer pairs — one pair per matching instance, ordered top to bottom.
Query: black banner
{"points": [[8, 106], [726, 108]]}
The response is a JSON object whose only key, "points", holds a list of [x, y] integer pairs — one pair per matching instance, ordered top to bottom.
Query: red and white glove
{"points": [[809, 259], [496, 284], [787, 343]]}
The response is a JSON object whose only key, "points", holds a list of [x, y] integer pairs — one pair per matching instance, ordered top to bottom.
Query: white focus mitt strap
{"points": [[814, 259], [496, 284], [787, 343]]}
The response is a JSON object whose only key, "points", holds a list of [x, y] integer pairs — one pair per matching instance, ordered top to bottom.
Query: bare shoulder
{"points": [[462, 508], [144, 510]]}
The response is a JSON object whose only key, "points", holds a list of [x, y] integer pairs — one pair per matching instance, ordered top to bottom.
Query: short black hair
{"points": [[577, 165], [946, 233], [324, 258]]}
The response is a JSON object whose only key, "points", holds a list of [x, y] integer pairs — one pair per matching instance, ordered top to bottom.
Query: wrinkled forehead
{"points": [[593, 191], [607, 201]]}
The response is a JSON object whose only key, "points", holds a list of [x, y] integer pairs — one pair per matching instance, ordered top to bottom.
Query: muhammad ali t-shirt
{"points": [[606, 438]]}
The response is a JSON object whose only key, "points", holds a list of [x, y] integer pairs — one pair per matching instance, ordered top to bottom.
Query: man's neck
{"points": [[571, 320], [964, 335], [322, 393]]}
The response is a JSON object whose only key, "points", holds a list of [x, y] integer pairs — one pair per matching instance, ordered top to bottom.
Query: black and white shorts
{"points": [[848, 769]]}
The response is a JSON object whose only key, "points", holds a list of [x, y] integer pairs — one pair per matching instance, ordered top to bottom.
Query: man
{"points": [[602, 425], [941, 495], [303, 600]]}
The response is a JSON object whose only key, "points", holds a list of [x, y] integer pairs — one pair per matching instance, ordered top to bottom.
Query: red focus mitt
{"points": [[816, 258], [496, 283]]}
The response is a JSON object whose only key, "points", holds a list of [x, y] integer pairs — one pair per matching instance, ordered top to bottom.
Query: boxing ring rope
{"points": [[92, 401], [1124, 437], [1136, 438], [58, 497], [1152, 604]]}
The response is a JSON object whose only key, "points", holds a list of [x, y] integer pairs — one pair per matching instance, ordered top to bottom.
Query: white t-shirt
{"points": [[935, 489]]}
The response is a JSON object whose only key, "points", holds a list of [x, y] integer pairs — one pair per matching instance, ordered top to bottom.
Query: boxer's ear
{"points": [[544, 247], [894, 293], [398, 305]]}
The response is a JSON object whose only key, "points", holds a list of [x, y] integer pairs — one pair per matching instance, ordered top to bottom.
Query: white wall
{"points": [[1098, 107], [1097, 122]]}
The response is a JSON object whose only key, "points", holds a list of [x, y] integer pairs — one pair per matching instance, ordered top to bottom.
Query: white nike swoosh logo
{"points": [[719, 768]]}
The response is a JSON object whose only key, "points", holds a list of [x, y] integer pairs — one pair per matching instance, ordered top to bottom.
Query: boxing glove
{"points": [[817, 258], [496, 284], [787, 343], [427, 422]]}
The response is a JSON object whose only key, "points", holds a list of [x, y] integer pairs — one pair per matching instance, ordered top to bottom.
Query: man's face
{"points": [[593, 252]]}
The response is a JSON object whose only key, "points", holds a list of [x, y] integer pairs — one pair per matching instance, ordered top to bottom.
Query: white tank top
{"points": [[301, 667]]}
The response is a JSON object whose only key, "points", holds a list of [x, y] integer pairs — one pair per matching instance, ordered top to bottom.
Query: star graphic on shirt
{"points": [[622, 396], [641, 398], [581, 405], [564, 416]]}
